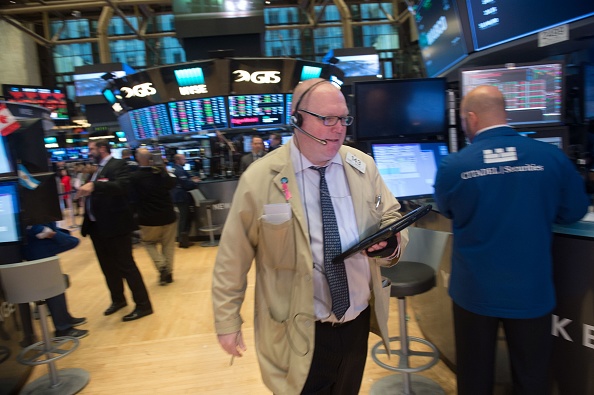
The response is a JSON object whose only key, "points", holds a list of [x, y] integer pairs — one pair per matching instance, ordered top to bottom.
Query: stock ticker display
{"points": [[533, 93], [256, 110], [199, 114], [150, 122]]}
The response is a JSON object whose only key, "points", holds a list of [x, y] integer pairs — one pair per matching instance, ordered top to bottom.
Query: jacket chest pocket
{"points": [[277, 244]]}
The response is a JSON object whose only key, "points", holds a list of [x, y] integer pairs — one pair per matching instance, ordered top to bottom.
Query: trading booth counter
{"points": [[222, 191], [573, 318], [12, 373]]}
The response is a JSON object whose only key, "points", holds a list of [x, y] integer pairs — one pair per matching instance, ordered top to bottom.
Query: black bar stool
{"points": [[413, 275], [35, 281]]}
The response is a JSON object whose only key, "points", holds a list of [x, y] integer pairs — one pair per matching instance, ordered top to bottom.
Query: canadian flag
{"points": [[8, 122]]}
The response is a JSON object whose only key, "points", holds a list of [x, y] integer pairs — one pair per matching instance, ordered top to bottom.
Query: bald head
{"points": [[304, 87], [481, 108], [143, 156]]}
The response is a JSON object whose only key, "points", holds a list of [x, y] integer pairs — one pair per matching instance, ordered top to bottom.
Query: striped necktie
{"points": [[335, 273]]}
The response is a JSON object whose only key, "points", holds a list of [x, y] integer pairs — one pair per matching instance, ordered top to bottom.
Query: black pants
{"points": [[185, 218], [117, 264], [529, 343], [339, 357]]}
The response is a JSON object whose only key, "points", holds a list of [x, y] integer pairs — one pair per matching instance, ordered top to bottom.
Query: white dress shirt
{"points": [[357, 266]]}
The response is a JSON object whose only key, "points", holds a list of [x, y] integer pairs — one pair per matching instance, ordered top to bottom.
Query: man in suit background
{"points": [[257, 153], [108, 220]]}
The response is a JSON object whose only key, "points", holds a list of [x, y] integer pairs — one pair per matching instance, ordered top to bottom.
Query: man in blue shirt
{"points": [[503, 194]]}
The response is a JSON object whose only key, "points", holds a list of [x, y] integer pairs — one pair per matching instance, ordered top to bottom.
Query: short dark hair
{"points": [[103, 143]]}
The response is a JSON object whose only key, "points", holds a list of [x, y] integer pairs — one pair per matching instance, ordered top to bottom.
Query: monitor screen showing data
{"points": [[494, 22], [440, 35], [533, 92], [53, 99], [256, 110], [199, 114], [150, 122], [409, 169], [9, 212]]}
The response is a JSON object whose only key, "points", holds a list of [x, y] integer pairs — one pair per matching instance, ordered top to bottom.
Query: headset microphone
{"points": [[323, 142]]}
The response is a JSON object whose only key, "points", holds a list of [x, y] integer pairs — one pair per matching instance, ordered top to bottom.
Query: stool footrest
{"points": [[213, 228], [40, 354], [404, 360]]}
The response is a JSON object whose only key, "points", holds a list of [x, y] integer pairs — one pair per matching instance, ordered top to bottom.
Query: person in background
{"points": [[275, 141], [257, 153], [127, 156], [151, 186], [66, 187], [503, 194], [183, 200], [108, 220], [44, 241], [312, 317]]}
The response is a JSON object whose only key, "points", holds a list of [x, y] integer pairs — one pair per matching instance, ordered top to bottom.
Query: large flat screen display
{"points": [[494, 22], [440, 35], [92, 84], [588, 91], [533, 92], [51, 98], [391, 108], [256, 110], [196, 115], [150, 122], [409, 169], [9, 212]]}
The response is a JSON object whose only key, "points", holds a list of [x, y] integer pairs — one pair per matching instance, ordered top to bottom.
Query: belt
{"points": [[334, 324]]}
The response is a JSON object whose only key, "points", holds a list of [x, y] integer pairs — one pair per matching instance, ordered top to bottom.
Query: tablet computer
{"points": [[384, 233]]}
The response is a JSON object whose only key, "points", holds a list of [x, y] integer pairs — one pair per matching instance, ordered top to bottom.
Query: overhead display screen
{"points": [[495, 22], [440, 35], [533, 92], [51, 98], [256, 110], [199, 114], [150, 122]]}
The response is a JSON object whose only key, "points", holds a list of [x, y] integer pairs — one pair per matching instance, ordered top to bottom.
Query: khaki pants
{"points": [[165, 235]]}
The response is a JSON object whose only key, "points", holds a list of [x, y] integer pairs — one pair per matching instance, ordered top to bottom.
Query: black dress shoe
{"points": [[114, 307], [136, 314]]}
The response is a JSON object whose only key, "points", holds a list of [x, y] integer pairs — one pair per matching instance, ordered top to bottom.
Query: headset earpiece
{"points": [[296, 119]]}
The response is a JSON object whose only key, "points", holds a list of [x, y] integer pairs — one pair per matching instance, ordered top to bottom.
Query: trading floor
{"points": [[175, 350]]}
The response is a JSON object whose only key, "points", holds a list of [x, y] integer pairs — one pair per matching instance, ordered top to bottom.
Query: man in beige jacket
{"points": [[303, 344]]}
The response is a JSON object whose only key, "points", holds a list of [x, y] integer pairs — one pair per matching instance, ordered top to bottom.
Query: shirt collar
{"points": [[489, 128], [105, 160], [300, 162]]}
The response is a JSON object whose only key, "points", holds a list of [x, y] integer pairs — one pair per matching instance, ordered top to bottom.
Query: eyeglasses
{"points": [[331, 120]]}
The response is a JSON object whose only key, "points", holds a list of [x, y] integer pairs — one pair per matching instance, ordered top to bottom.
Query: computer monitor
{"points": [[496, 22], [441, 39], [588, 91], [534, 92], [53, 99], [415, 108], [256, 110], [196, 115], [150, 122], [558, 136], [409, 169], [9, 212]]}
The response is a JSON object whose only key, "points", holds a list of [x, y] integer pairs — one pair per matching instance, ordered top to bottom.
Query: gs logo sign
{"points": [[258, 77], [141, 90]]}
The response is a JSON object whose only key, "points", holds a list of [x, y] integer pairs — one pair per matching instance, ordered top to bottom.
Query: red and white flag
{"points": [[8, 122]]}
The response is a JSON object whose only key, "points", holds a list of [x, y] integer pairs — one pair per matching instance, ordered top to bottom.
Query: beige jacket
{"points": [[284, 310]]}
